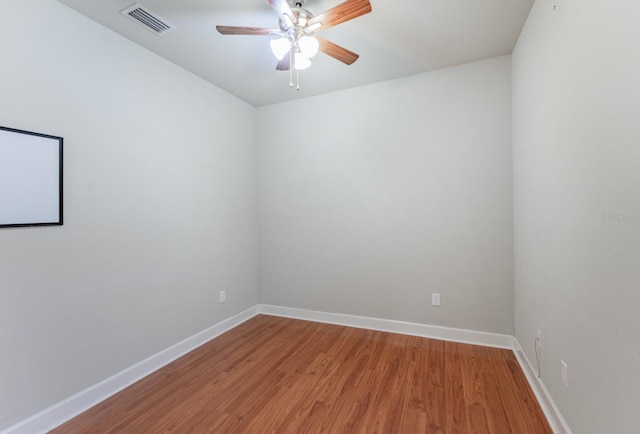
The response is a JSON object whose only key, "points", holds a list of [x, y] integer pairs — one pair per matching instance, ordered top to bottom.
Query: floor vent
{"points": [[147, 19]]}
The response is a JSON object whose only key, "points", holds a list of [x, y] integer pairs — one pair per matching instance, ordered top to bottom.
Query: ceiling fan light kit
{"points": [[297, 43], [309, 46], [280, 47], [300, 61]]}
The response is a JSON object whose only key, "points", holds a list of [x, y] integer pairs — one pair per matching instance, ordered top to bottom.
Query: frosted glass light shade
{"points": [[309, 46], [280, 47], [300, 61]]}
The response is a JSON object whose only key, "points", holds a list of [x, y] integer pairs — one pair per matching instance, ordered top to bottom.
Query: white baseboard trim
{"points": [[385, 325], [81, 401], [76, 404], [551, 411], [557, 422]]}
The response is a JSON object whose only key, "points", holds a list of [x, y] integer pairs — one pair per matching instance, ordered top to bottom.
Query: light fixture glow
{"points": [[309, 46], [280, 47], [300, 61]]}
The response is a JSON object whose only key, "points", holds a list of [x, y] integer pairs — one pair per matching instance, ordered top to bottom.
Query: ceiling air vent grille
{"points": [[147, 19]]}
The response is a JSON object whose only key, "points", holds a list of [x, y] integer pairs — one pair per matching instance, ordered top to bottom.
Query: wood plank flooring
{"points": [[279, 375]]}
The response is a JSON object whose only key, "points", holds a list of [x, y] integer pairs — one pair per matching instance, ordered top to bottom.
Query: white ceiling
{"points": [[398, 38]]}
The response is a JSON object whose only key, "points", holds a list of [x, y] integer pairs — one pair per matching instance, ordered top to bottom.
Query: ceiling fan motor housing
{"points": [[297, 23]]}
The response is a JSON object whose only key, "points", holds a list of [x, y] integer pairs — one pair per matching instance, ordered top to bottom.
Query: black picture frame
{"points": [[31, 174]]}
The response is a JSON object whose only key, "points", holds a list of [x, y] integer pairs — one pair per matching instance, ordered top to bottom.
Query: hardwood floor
{"points": [[279, 375]]}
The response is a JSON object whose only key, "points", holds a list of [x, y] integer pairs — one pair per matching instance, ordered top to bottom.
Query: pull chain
{"points": [[291, 68]]}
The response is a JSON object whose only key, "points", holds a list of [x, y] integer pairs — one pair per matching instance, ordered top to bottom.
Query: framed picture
{"points": [[30, 178]]}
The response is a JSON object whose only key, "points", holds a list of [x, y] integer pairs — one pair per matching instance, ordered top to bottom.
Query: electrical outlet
{"points": [[223, 296], [435, 299], [564, 370]]}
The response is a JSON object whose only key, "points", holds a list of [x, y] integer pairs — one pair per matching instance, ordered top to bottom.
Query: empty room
{"points": [[361, 216]]}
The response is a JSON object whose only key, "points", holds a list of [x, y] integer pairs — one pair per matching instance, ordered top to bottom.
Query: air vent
{"points": [[147, 19]]}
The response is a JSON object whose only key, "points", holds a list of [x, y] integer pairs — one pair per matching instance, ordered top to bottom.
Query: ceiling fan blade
{"points": [[282, 9], [343, 12], [233, 30], [336, 51], [285, 63]]}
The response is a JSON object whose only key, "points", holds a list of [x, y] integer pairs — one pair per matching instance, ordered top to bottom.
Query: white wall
{"points": [[371, 199], [577, 206], [160, 207]]}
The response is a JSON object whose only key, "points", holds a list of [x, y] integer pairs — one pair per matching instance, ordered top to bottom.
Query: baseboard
{"points": [[408, 328], [76, 404], [551, 411], [557, 422]]}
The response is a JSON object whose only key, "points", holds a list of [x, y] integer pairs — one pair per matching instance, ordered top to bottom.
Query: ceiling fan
{"points": [[298, 41]]}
